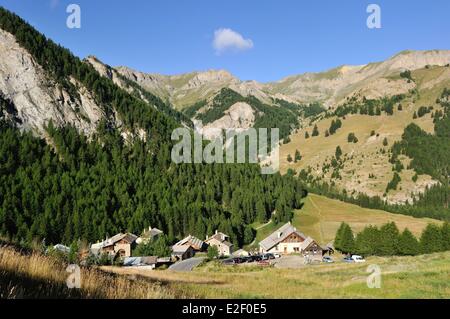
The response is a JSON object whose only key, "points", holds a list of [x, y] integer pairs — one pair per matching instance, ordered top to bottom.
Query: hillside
{"points": [[373, 80], [365, 166], [320, 218]]}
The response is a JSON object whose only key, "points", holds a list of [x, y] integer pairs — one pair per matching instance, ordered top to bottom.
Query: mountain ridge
{"points": [[299, 88]]}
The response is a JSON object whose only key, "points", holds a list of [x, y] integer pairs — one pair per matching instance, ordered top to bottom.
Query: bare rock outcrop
{"points": [[37, 98]]}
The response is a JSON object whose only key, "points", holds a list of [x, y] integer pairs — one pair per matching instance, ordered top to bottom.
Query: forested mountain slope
{"points": [[94, 176]]}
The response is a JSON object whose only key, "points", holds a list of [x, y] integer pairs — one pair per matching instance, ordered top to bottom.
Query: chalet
{"points": [[149, 235], [286, 240], [194, 242], [222, 242], [118, 245], [311, 250], [182, 252]]}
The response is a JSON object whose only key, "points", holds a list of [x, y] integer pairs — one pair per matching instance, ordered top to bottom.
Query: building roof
{"points": [[152, 232], [279, 235], [131, 238], [221, 238], [191, 241], [306, 243], [180, 249], [140, 261]]}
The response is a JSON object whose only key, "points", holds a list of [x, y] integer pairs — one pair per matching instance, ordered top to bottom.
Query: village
{"points": [[286, 246]]}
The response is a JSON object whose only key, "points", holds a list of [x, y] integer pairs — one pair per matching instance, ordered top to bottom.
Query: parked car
{"points": [[277, 255], [267, 256], [256, 258], [247, 259], [327, 259], [358, 259], [239, 260], [348, 260], [228, 261]]}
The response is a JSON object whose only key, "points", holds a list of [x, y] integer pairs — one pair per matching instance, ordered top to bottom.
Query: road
{"points": [[186, 265]]}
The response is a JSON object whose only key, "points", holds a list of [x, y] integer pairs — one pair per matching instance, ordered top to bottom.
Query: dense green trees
{"points": [[372, 107], [393, 184], [92, 189], [431, 240], [388, 241], [408, 245], [157, 247]]}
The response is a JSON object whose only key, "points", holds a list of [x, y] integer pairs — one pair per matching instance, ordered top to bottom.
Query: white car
{"points": [[277, 255], [358, 259]]}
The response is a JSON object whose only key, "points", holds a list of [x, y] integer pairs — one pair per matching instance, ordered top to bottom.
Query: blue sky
{"points": [[279, 38]]}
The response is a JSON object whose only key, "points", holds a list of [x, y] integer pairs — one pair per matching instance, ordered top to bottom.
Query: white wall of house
{"points": [[285, 248], [222, 249]]}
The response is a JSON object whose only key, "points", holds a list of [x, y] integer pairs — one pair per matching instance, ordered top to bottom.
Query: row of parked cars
{"points": [[263, 258], [347, 259], [354, 259]]}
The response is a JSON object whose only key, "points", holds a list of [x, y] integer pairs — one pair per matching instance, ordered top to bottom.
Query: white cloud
{"points": [[227, 39]]}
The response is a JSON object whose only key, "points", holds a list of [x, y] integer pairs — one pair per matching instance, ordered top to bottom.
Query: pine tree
{"points": [[315, 131], [306, 135], [338, 152], [298, 156], [289, 158], [260, 211], [445, 233], [249, 235], [338, 236], [389, 236], [431, 239], [344, 240], [348, 240], [367, 241], [408, 245], [213, 252]]}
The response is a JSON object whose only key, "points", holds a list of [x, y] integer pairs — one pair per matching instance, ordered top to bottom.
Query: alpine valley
{"points": [[85, 149]]}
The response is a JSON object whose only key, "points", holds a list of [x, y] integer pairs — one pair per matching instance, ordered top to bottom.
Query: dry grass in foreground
{"points": [[37, 276], [425, 276]]}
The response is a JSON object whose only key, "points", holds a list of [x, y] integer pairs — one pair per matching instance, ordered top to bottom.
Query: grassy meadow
{"points": [[320, 217], [401, 277]]}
